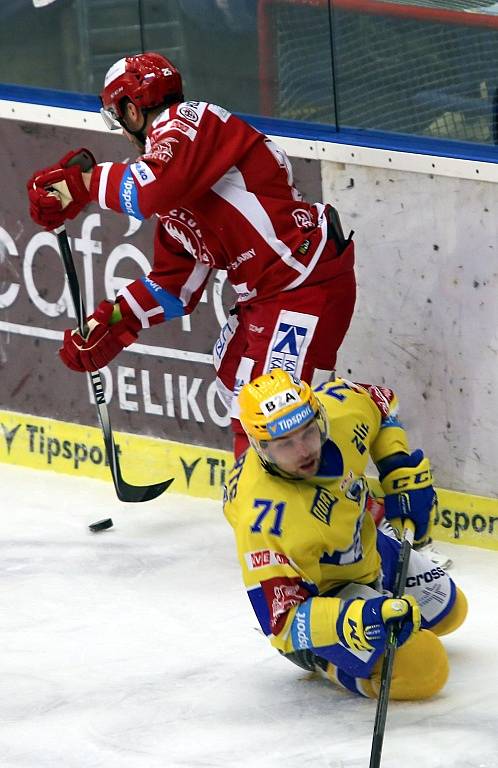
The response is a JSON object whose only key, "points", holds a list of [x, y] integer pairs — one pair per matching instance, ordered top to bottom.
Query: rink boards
{"points": [[425, 321], [74, 449]]}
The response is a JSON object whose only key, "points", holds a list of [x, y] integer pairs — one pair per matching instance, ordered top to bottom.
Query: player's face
{"points": [[134, 120], [299, 453]]}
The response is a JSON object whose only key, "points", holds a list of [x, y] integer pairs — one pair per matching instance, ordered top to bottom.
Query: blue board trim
{"points": [[49, 98], [392, 142]]}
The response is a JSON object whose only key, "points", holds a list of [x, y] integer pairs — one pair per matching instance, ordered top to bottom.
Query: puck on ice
{"points": [[101, 525]]}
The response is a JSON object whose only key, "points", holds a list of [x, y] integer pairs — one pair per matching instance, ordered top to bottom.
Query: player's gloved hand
{"points": [[59, 192], [104, 340], [409, 494], [363, 624]]}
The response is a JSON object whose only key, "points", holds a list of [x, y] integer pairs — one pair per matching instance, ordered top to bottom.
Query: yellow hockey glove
{"points": [[409, 494], [363, 624]]}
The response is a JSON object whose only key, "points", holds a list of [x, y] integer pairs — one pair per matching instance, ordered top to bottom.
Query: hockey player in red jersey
{"points": [[224, 197]]}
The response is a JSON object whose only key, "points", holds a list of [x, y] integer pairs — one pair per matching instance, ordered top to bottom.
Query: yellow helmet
{"points": [[275, 404]]}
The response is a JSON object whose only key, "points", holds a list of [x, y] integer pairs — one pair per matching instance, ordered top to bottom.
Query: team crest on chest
{"points": [[182, 227], [356, 489], [322, 505]]}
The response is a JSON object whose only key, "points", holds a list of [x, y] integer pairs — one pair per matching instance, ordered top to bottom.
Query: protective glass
{"points": [[111, 119]]}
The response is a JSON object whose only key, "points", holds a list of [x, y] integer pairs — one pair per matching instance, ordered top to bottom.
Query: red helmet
{"points": [[147, 79]]}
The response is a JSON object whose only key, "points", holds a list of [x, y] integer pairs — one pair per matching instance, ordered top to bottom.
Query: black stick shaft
{"points": [[72, 278], [124, 491], [387, 665]]}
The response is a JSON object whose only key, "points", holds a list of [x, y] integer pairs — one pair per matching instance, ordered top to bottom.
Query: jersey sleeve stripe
{"points": [[104, 176], [231, 187], [128, 195], [196, 279], [172, 305], [137, 310]]}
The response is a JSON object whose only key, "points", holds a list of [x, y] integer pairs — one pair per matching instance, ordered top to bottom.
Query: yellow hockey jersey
{"points": [[299, 541]]}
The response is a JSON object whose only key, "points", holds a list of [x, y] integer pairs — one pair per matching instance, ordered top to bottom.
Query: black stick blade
{"points": [[137, 493]]}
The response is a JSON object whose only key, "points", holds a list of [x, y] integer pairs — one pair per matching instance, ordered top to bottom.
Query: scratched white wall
{"points": [[426, 320]]}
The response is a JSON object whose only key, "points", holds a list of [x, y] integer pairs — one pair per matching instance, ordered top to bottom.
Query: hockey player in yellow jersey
{"points": [[318, 573]]}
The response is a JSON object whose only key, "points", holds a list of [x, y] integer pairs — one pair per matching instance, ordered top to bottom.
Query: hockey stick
{"points": [[124, 491], [391, 644]]}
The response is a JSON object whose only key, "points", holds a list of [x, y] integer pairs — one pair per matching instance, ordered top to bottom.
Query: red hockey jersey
{"points": [[225, 199]]}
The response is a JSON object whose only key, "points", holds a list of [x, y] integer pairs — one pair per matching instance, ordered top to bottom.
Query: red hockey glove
{"points": [[58, 192], [103, 341]]}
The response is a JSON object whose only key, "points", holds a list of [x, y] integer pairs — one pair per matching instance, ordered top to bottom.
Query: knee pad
{"points": [[454, 618], [420, 669]]}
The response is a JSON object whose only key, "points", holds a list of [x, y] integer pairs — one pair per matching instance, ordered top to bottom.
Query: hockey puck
{"points": [[101, 525]]}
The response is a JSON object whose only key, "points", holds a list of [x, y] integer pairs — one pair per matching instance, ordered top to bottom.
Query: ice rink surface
{"points": [[137, 648]]}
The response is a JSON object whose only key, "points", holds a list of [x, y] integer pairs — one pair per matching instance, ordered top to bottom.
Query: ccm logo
{"points": [[418, 479]]}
